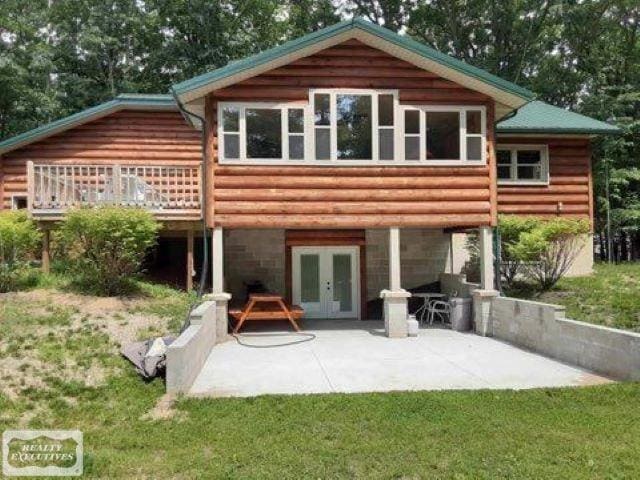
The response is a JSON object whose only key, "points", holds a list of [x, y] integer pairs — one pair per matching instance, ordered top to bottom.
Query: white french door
{"points": [[325, 281]]}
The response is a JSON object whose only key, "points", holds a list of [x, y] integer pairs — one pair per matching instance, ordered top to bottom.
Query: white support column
{"points": [[394, 259], [217, 260], [487, 280], [219, 296], [483, 297], [395, 298]]}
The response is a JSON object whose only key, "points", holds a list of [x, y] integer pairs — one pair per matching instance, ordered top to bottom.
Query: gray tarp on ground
{"points": [[149, 364]]}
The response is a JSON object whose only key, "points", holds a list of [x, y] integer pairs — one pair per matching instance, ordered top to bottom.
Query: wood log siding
{"points": [[126, 138], [569, 193], [346, 197]]}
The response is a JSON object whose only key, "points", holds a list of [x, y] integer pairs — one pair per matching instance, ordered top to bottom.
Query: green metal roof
{"points": [[342, 27], [121, 102], [540, 117]]}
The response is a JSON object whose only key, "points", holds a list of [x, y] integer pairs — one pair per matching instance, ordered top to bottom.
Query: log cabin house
{"points": [[337, 166]]}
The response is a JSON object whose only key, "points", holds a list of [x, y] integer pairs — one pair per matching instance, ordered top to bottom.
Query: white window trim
{"points": [[462, 110], [309, 132], [544, 164]]}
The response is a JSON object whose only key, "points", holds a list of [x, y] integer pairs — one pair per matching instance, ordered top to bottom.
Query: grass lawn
{"points": [[611, 296], [59, 368]]}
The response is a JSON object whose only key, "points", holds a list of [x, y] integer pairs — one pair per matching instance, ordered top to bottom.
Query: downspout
{"points": [[205, 244]]}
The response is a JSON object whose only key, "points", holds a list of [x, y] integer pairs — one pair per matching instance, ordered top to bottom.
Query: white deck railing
{"points": [[162, 189]]}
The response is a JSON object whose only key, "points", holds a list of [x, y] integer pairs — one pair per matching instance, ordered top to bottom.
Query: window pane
{"points": [[321, 101], [385, 110], [230, 119], [296, 121], [411, 121], [474, 124], [354, 127], [264, 133], [443, 135], [386, 143], [323, 144], [231, 145], [296, 147], [412, 148], [474, 148], [528, 156], [504, 157], [504, 173], [529, 173], [309, 278], [342, 281]]}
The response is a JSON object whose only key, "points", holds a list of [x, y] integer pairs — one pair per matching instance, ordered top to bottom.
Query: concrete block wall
{"points": [[252, 254], [424, 254], [543, 328]]}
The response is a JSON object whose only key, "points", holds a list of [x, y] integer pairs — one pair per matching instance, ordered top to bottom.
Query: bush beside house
{"points": [[19, 239], [104, 247]]}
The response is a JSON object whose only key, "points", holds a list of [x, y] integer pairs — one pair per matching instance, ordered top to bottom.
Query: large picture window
{"points": [[351, 127], [522, 164]]}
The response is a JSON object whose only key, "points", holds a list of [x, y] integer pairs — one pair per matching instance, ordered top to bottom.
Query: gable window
{"points": [[434, 134], [522, 164]]}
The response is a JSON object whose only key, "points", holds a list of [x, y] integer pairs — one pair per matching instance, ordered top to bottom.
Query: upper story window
{"points": [[344, 127], [523, 164]]}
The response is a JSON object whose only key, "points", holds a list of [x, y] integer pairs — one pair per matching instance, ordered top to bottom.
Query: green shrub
{"points": [[511, 227], [19, 240], [104, 247], [548, 250]]}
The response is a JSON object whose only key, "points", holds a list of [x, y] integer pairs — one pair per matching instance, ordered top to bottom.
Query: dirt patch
{"points": [[163, 410]]}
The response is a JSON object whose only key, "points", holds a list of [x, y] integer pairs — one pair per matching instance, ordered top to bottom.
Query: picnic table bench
{"points": [[266, 306]]}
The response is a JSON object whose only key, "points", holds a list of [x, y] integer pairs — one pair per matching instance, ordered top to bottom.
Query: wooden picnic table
{"points": [[267, 306]]}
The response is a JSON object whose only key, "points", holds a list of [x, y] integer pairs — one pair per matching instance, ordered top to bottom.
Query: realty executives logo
{"points": [[51, 453]]}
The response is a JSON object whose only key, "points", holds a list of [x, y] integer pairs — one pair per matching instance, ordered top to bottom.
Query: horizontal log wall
{"points": [[123, 138], [569, 193], [346, 197]]}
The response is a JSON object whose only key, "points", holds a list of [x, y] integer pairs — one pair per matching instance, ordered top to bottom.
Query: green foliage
{"points": [[511, 227], [19, 239], [105, 247], [544, 249]]}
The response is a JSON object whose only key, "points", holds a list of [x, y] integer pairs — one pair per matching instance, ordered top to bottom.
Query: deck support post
{"points": [[46, 258], [190, 271], [218, 294], [483, 297], [395, 298]]}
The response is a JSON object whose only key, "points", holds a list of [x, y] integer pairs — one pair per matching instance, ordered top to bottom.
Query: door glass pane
{"points": [[354, 127], [264, 133], [443, 135], [386, 143], [323, 144], [310, 278], [342, 282]]}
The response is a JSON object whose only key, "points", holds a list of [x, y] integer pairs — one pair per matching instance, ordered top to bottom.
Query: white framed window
{"points": [[354, 126], [261, 132], [444, 135], [522, 164]]}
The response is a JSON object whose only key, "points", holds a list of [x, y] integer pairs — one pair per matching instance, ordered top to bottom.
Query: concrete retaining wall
{"points": [[543, 328], [189, 352]]}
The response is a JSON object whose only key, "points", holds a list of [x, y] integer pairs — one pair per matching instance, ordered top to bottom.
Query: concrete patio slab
{"points": [[348, 356]]}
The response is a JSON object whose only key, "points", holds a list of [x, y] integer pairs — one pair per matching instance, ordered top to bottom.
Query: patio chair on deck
{"points": [[439, 308]]}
